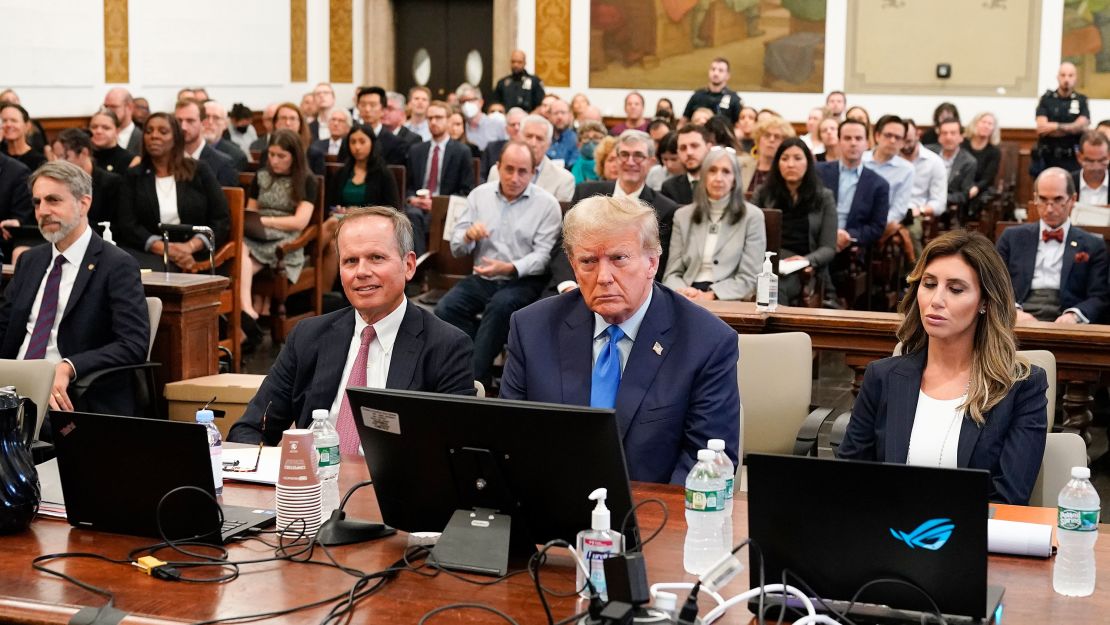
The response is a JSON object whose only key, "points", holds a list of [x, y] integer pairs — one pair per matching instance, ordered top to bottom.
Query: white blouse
{"points": [[166, 189], [935, 438]]}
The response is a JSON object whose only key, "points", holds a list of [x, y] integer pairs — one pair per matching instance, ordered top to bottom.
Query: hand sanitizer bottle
{"points": [[107, 236], [767, 287], [595, 545]]}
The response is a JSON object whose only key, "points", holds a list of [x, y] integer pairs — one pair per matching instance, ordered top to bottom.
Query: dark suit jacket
{"points": [[408, 136], [321, 146], [392, 148], [235, 153], [490, 156], [221, 165], [962, 176], [457, 177], [107, 188], [379, 188], [678, 189], [15, 195], [200, 202], [870, 206], [559, 265], [1082, 285], [105, 323], [429, 355], [669, 403], [1010, 444]]}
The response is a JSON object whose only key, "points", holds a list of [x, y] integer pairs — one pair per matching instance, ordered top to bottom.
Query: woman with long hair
{"points": [[288, 116], [15, 124], [743, 128], [456, 129], [829, 131], [981, 141], [107, 153], [168, 187], [808, 213], [718, 242], [960, 396]]}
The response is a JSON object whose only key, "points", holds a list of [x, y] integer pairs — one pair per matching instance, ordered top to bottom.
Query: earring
{"points": [[983, 310]]}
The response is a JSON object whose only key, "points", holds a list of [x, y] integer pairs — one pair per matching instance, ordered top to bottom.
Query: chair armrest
{"points": [[306, 237], [221, 256], [424, 259], [79, 387], [839, 427], [805, 444]]}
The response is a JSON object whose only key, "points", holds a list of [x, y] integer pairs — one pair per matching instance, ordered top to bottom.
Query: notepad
{"points": [[787, 266], [267, 472]]}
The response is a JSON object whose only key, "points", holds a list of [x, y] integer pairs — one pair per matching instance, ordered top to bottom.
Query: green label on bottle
{"points": [[329, 456], [728, 487], [705, 501], [1077, 520]]}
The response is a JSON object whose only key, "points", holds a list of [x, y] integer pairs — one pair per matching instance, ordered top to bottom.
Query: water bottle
{"points": [[326, 439], [215, 448], [727, 471], [705, 512], [1077, 514]]}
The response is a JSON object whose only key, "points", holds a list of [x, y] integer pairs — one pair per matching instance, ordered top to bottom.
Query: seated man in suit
{"points": [[119, 101], [371, 106], [190, 116], [396, 121], [339, 123], [536, 132], [216, 134], [693, 145], [75, 146], [636, 153], [959, 163], [441, 166], [1091, 180], [15, 195], [862, 196], [509, 228], [1058, 270], [77, 302], [620, 341], [389, 342]]}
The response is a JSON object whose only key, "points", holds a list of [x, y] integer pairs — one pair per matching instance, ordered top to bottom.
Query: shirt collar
{"points": [[441, 144], [196, 154], [845, 169], [691, 178], [1104, 184], [619, 192], [526, 193], [1066, 226], [75, 253], [631, 326], [386, 328]]}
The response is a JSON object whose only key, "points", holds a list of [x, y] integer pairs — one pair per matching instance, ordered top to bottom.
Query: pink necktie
{"points": [[433, 172], [348, 434]]}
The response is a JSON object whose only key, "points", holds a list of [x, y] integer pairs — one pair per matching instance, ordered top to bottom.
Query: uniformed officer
{"points": [[519, 88], [717, 97], [1062, 116]]}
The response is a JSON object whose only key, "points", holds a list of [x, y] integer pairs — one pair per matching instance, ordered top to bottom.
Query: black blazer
{"points": [[321, 146], [392, 148], [490, 156], [238, 157], [115, 159], [221, 165], [457, 177], [379, 188], [678, 189], [15, 195], [106, 196], [200, 202], [870, 205], [1083, 285], [105, 322], [429, 355], [1010, 444]]}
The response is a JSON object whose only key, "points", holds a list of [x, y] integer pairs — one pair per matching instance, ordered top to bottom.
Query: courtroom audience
{"points": [[419, 98], [323, 100], [578, 103], [835, 103], [664, 109], [943, 112], [860, 114], [634, 115], [700, 116], [191, 117], [288, 117], [394, 120], [338, 123], [15, 124], [480, 128], [743, 128], [456, 129], [241, 130], [828, 130], [721, 131], [216, 132], [535, 132], [36, 134], [590, 135], [768, 135], [130, 136], [812, 137], [982, 138], [564, 141], [259, 144], [74, 145], [493, 148], [107, 153], [884, 159], [668, 162], [959, 163], [606, 165], [441, 166], [1091, 180], [930, 184], [168, 187], [862, 196], [15, 197], [808, 215], [718, 242], [960, 395]]}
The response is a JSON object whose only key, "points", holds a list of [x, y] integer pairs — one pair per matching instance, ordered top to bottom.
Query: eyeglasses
{"points": [[892, 137], [635, 157], [1057, 201], [234, 466]]}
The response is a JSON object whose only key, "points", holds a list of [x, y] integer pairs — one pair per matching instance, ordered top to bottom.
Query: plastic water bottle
{"points": [[326, 439], [215, 448], [727, 471], [705, 510], [1077, 514]]}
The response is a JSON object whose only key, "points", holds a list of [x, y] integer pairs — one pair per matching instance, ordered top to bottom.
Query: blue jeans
{"points": [[496, 301]]}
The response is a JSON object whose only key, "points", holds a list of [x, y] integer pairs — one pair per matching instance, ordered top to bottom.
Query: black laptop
{"points": [[115, 470], [838, 525]]}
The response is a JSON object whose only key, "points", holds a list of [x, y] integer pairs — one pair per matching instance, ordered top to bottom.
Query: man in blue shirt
{"points": [[564, 144], [886, 160]]}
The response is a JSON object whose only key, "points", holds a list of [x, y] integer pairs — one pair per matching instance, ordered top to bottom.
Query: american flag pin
{"points": [[658, 349]]}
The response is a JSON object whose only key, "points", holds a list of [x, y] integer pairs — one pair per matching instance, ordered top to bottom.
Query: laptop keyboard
{"points": [[231, 526]]}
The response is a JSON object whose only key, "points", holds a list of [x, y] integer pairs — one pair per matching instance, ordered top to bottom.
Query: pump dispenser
{"points": [[107, 236], [767, 287], [596, 544]]}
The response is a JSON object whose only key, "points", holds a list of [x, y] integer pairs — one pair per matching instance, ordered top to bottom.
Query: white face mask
{"points": [[470, 110], [497, 116]]}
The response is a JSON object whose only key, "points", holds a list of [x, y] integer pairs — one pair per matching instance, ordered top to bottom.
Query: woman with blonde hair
{"points": [[768, 136], [981, 140], [605, 157], [960, 396]]}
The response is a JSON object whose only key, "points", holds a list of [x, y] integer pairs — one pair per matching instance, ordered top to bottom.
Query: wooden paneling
{"points": [[298, 41], [553, 42], [116, 46], [341, 48]]}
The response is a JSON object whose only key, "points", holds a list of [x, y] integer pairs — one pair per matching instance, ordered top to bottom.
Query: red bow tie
{"points": [[1053, 235]]}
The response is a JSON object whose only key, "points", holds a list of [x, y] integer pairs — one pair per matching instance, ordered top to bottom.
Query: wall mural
{"points": [[1086, 42], [772, 45]]}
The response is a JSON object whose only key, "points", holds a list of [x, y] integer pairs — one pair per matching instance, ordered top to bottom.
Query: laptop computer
{"points": [[253, 228], [115, 470], [838, 525]]}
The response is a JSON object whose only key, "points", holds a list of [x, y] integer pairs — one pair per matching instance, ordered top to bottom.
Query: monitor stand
{"points": [[475, 541]]}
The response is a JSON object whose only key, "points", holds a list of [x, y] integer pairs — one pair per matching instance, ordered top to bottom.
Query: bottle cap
{"points": [[319, 413], [205, 416], [716, 444], [706, 455], [1081, 473], [600, 517]]}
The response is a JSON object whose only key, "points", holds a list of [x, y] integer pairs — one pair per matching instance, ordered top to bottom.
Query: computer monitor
{"points": [[471, 468]]}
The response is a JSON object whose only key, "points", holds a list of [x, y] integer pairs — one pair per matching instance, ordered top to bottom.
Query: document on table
{"points": [[787, 267], [267, 472], [50, 485]]}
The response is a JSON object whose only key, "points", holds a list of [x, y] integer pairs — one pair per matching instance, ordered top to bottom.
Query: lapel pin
{"points": [[1074, 244], [91, 266], [658, 349]]}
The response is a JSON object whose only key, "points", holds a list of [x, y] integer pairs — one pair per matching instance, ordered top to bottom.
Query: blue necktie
{"points": [[606, 378]]}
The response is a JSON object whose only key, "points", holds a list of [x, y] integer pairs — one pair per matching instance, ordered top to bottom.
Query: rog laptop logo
{"points": [[931, 534]]}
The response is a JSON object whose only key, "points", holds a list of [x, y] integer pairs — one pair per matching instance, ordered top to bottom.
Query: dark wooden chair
{"points": [[477, 163], [399, 176], [565, 206], [772, 223], [894, 254], [228, 256], [437, 269]]}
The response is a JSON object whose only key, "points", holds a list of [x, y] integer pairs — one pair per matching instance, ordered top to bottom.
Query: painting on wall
{"points": [[1086, 42], [772, 45]]}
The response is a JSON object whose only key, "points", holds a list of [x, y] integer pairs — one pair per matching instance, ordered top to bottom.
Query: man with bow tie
{"points": [[1059, 271]]}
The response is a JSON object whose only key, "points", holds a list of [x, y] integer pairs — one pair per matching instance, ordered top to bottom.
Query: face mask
{"points": [[470, 110], [497, 116], [242, 129], [587, 151]]}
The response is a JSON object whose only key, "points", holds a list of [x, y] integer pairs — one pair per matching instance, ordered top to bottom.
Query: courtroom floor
{"points": [[832, 387]]}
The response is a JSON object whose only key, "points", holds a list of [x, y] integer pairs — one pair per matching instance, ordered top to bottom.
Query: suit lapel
{"points": [[727, 232], [1071, 246], [1029, 258], [36, 263], [84, 272], [409, 343], [576, 348], [331, 359], [643, 362], [905, 388], [969, 436]]}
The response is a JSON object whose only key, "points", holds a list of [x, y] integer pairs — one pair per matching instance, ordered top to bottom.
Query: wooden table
{"points": [[1082, 351], [27, 596]]}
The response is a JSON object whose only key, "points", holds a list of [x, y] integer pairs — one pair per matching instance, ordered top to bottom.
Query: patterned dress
{"points": [[275, 199]]}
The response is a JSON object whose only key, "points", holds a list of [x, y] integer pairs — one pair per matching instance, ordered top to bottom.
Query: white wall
{"points": [[53, 52], [1012, 112]]}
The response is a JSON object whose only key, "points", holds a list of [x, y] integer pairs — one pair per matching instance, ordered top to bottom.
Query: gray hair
{"points": [[466, 88], [393, 96], [517, 112], [346, 115], [539, 119], [637, 136], [73, 177], [734, 212], [599, 216], [402, 227]]}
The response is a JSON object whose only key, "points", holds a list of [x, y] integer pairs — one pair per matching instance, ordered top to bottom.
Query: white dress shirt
{"points": [[124, 136], [334, 145], [442, 145], [200, 148], [166, 190], [619, 192], [1094, 196], [75, 255], [1050, 259], [630, 328], [378, 358], [935, 437]]}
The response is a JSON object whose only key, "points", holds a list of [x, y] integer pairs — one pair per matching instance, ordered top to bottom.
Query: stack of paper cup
{"points": [[298, 485]]}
